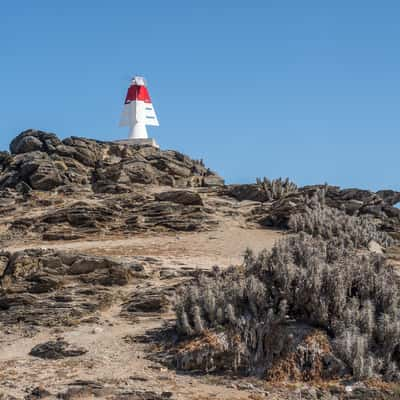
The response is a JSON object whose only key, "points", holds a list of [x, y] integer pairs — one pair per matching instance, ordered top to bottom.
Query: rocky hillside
{"points": [[53, 189], [275, 210], [98, 238]]}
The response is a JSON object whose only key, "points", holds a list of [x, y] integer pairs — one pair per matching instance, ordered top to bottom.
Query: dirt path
{"points": [[223, 246]]}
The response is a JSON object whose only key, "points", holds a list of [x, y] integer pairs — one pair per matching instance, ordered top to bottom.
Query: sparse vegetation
{"points": [[276, 188], [330, 223], [304, 280]]}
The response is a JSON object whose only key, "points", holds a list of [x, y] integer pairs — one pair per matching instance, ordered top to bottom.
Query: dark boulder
{"points": [[33, 140], [25, 144], [138, 172], [46, 177], [212, 180], [252, 192], [185, 197], [390, 197], [87, 264], [147, 301], [55, 350], [38, 392]]}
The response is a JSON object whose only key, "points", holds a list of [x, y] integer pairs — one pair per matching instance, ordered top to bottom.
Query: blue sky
{"points": [[305, 89]]}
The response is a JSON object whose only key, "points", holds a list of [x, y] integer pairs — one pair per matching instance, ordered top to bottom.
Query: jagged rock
{"points": [[29, 141], [25, 144], [86, 151], [5, 159], [45, 162], [107, 163], [83, 168], [138, 172], [45, 177], [9, 179], [212, 180], [23, 188], [251, 192], [181, 197], [390, 197], [353, 206], [391, 212], [125, 213], [278, 213], [80, 214], [168, 215], [63, 235], [3, 263], [85, 265], [41, 283], [45, 287], [148, 301], [56, 350], [85, 389], [38, 392]]}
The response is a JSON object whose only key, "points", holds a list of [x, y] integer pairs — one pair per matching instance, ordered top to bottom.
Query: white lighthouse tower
{"points": [[138, 112]]}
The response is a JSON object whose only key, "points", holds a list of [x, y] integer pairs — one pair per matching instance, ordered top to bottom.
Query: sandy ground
{"points": [[224, 246], [115, 358]]}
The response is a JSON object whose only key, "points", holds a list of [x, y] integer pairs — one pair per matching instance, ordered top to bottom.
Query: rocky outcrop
{"points": [[44, 162], [112, 186], [68, 189], [251, 192], [184, 197], [123, 213], [276, 213], [46, 287], [146, 301]]}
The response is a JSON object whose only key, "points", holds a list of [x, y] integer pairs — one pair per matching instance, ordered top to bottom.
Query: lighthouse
{"points": [[138, 112]]}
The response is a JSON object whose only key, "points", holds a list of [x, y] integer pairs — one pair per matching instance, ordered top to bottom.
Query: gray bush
{"points": [[276, 188], [330, 223], [352, 297]]}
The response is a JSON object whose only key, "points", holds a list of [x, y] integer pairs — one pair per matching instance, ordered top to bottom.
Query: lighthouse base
{"points": [[139, 142]]}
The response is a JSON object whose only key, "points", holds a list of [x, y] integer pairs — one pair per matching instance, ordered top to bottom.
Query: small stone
{"points": [[375, 247], [55, 350], [38, 392]]}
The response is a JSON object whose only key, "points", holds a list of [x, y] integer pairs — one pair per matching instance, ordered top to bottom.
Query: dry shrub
{"points": [[276, 189], [331, 223], [353, 298]]}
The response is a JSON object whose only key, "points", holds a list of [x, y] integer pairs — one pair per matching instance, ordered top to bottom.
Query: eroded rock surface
{"points": [[44, 162], [54, 189], [48, 288]]}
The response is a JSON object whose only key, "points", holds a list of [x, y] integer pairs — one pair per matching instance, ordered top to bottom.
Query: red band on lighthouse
{"points": [[138, 93]]}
